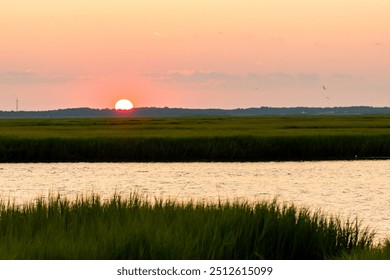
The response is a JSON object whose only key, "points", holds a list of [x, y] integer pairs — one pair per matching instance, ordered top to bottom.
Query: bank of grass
{"points": [[195, 139], [178, 149], [135, 228], [380, 252]]}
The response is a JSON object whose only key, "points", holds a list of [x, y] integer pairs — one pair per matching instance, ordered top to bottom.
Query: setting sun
{"points": [[123, 104]]}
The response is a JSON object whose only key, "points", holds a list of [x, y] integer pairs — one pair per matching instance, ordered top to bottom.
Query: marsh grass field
{"points": [[195, 139], [138, 228]]}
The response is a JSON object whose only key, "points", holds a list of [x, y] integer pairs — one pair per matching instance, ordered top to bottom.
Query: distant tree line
{"points": [[182, 112]]}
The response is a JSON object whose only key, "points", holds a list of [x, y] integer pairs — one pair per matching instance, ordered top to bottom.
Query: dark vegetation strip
{"points": [[195, 139], [229, 148], [137, 229]]}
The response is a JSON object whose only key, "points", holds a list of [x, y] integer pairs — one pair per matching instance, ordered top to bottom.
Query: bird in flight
{"points": [[324, 87]]}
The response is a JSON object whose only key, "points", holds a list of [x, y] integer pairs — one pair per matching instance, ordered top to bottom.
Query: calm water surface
{"points": [[346, 188]]}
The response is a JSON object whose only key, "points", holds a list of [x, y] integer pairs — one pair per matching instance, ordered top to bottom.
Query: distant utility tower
{"points": [[17, 102]]}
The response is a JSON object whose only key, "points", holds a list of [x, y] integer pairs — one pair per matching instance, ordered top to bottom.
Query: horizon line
{"points": [[184, 108]]}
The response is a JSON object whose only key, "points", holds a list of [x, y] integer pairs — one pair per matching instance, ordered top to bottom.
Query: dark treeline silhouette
{"points": [[182, 112]]}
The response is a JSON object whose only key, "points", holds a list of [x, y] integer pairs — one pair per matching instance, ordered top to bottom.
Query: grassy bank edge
{"points": [[186, 149]]}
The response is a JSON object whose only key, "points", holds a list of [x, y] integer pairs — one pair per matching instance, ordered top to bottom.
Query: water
{"points": [[346, 188]]}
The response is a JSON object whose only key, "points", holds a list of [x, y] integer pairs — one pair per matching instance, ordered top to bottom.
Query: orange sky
{"points": [[194, 54]]}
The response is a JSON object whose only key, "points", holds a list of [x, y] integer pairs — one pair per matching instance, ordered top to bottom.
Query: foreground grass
{"points": [[195, 139], [137, 229], [380, 252]]}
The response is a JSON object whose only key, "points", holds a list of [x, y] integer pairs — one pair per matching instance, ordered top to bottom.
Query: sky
{"points": [[194, 53]]}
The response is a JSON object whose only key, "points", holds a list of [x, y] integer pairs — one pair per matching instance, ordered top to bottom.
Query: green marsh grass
{"points": [[195, 139], [165, 149], [137, 228], [380, 252]]}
